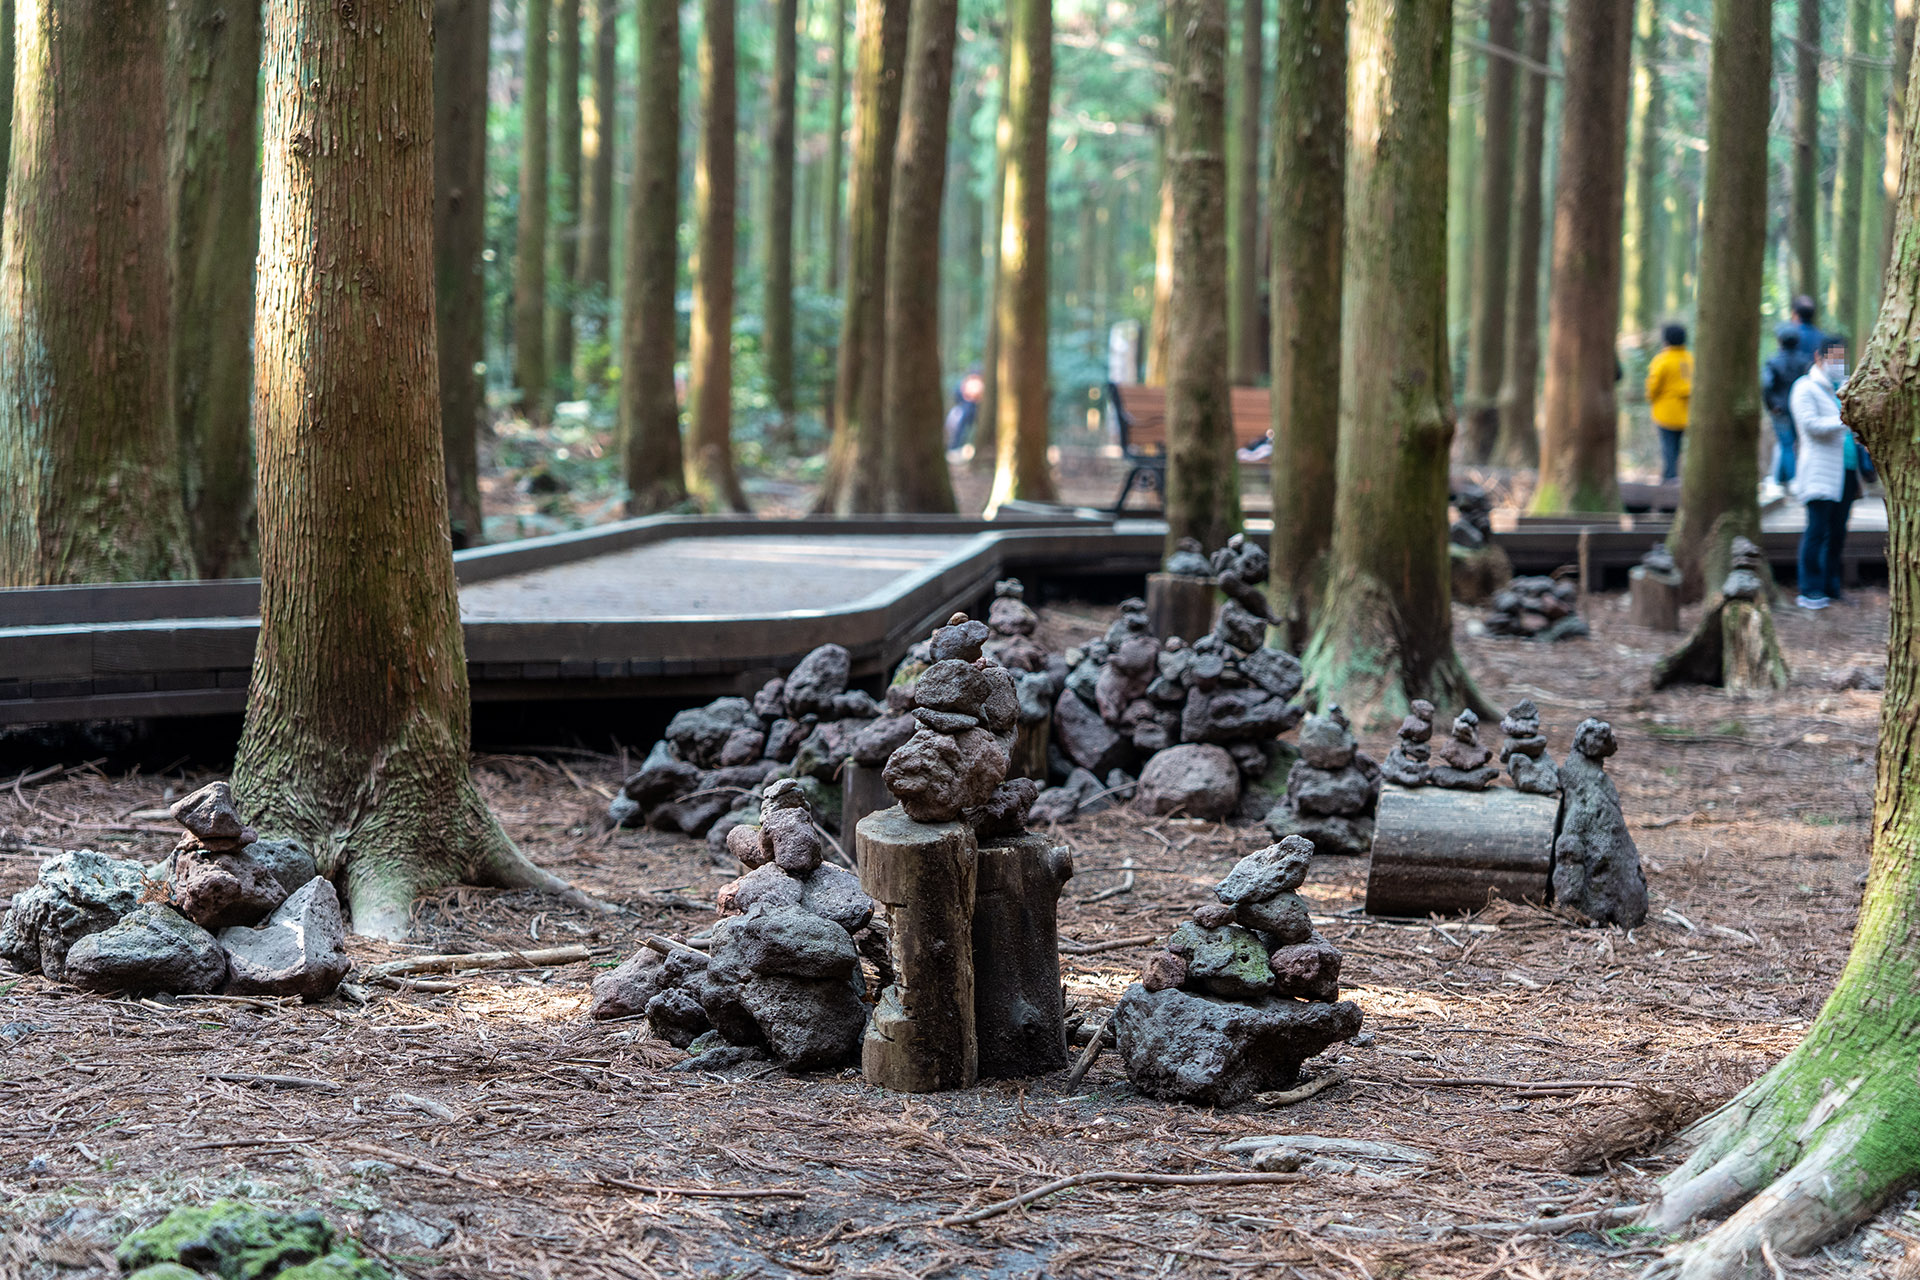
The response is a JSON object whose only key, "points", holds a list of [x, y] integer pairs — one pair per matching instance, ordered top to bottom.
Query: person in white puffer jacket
{"points": [[1821, 478]]}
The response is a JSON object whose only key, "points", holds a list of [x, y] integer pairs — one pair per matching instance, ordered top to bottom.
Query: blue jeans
{"points": [[1670, 441], [1783, 456], [1820, 547]]}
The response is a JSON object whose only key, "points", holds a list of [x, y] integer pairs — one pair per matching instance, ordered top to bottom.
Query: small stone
{"points": [[1189, 560], [1012, 616], [1239, 628], [959, 640], [1273, 670], [820, 677], [952, 685], [771, 702], [855, 704], [1001, 711], [944, 721], [699, 734], [785, 736], [881, 738], [1325, 743], [743, 746], [1462, 750], [937, 776], [1534, 776], [661, 777], [1194, 779], [1341, 792], [1005, 812], [210, 817], [786, 828], [744, 843], [285, 860], [1276, 869], [765, 883], [220, 890], [834, 893], [76, 894], [1212, 915], [1283, 915], [786, 941], [152, 948], [300, 951], [1227, 961], [1309, 970], [1164, 971], [625, 991], [677, 1016], [809, 1025], [1189, 1047]]}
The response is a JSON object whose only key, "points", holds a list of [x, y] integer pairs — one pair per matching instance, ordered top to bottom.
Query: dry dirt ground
{"points": [[491, 1130]]}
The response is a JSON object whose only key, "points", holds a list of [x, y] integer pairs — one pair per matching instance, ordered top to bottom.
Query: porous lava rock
{"points": [[1196, 780], [1330, 803], [1596, 865], [76, 894], [151, 948], [301, 949]]}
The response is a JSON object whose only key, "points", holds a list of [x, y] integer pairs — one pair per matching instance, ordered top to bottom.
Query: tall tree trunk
{"points": [[460, 46], [1902, 60], [213, 71], [6, 87], [836, 145], [1463, 161], [1243, 181], [1873, 201], [1804, 209], [1309, 212], [566, 230], [1642, 272], [594, 279], [1843, 298], [777, 320], [1160, 327], [1487, 336], [530, 370], [913, 403], [649, 405], [986, 417], [1580, 439], [1519, 442], [856, 464], [1021, 470], [710, 471], [1720, 473], [1203, 482], [90, 484], [1385, 633], [357, 725], [1818, 1144]]}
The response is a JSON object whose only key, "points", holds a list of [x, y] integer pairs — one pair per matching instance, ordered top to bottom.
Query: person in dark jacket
{"points": [[1811, 339], [1784, 368]]}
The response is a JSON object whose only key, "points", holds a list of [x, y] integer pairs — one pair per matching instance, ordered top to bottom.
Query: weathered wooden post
{"points": [[1654, 590], [1178, 605], [862, 791], [1019, 1008]]}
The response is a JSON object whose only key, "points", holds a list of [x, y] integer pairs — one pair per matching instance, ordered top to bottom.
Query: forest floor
{"points": [[493, 1130]]}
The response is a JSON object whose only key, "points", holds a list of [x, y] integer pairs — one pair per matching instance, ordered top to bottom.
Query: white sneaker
{"points": [[1812, 602]]}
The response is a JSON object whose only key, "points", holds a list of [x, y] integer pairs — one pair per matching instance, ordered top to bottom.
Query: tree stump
{"points": [[1478, 572], [1655, 598], [1179, 606], [1732, 647], [1029, 756], [861, 792], [1451, 851], [1019, 1011], [921, 1038]]}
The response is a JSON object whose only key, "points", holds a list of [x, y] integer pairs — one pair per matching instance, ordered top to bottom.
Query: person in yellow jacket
{"points": [[1669, 387]]}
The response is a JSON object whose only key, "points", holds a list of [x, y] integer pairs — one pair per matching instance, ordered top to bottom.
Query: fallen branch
{"points": [[1114, 891], [667, 946], [1068, 947], [538, 959], [1091, 1052], [279, 1082], [1522, 1086], [1287, 1097], [1315, 1144], [419, 1166], [1115, 1175], [702, 1193], [1565, 1222]]}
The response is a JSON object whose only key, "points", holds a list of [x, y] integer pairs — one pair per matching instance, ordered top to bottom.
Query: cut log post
{"points": [[1478, 573], [1654, 597], [1179, 606], [1750, 660], [1029, 757], [861, 792], [1450, 851], [1019, 1011], [921, 1038]]}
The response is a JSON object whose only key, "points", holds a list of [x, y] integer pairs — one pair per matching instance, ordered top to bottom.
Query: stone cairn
{"points": [[1480, 568], [1180, 596], [1536, 608], [1202, 719], [1524, 751], [1406, 764], [1465, 764], [1332, 789], [1596, 865], [225, 912], [782, 971], [1244, 993]]}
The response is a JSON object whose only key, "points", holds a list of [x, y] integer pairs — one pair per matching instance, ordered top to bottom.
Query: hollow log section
{"points": [[1179, 606], [1453, 851]]}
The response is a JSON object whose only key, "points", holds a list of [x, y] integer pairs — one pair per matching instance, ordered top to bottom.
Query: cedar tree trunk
{"points": [[460, 45], [1902, 58], [836, 143], [1243, 180], [1804, 208], [566, 232], [530, 242], [594, 279], [1843, 299], [1641, 305], [778, 306], [1160, 326], [1487, 336], [649, 404], [986, 417], [1519, 441], [1578, 466], [710, 471], [90, 478], [1384, 635], [356, 734]]}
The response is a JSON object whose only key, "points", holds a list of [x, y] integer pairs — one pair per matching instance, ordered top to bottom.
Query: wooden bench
{"points": [[1141, 414]]}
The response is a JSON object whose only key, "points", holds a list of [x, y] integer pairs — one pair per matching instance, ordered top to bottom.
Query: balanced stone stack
{"points": [[1480, 567], [1536, 608], [1524, 751], [1407, 764], [1465, 764], [1331, 790], [1596, 865], [104, 924], [782, 973], [1245, 992]]}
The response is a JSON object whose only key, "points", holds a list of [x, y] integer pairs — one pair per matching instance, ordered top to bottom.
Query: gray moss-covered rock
{"points": [[1198, 780], [76, 894], [152, 948], [301, 950], [1227, 961], [1195, 1048], [236, 1241]]}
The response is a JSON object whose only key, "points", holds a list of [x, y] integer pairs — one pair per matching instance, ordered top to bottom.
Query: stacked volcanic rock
{"points": [[1536, 609], [1200, 717], [1524, 751], [715, 758], [1407, 764], [1465, 765], [1331, 790], [1596, 865], [109, 925], [782, 972], [1244, 993]]}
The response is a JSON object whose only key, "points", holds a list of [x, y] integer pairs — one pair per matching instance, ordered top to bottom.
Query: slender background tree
{"points": [[461, 29], [566, 174], [1243, 196], [1804, 221], [594, 280], [777, 309], [1487, 338], [530, 369], [649, 405], [1518, 444], [711, 476]]}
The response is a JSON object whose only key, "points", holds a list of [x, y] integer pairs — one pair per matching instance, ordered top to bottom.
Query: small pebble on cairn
{"points": [[1524, 751], [1464, 763], [1407, 764]]}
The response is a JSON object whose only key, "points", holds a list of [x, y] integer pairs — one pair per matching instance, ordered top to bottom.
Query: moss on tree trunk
{"points": [[213, 75], [566, 173], [459, 238], [777, 320], [1487, 334], [530, 376], [649, 405], [1518, 444], [710, 472], [1203, 480], [90, 485], [1385, 636], [356, 735]]}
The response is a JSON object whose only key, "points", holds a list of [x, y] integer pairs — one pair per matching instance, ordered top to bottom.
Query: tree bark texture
{"points": [[1901, 33], [460, 45], [6, 83], [213, 99], [836, 145], [1243, 181], [1804, 207], [1309, 215], [566, 230], [595, 276], [1843, 299], [1641, 305], [777, 320], [1160, 324], [1487, 333], [530, 367], [913, 399], [649, 405], [986, 422], [1518, 444], [856, 464], [1578, 465], [1021, 470], [1720, 471], [710, 472], [1203, 477], [90, 484], [1384, 635], [356, 735]]}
